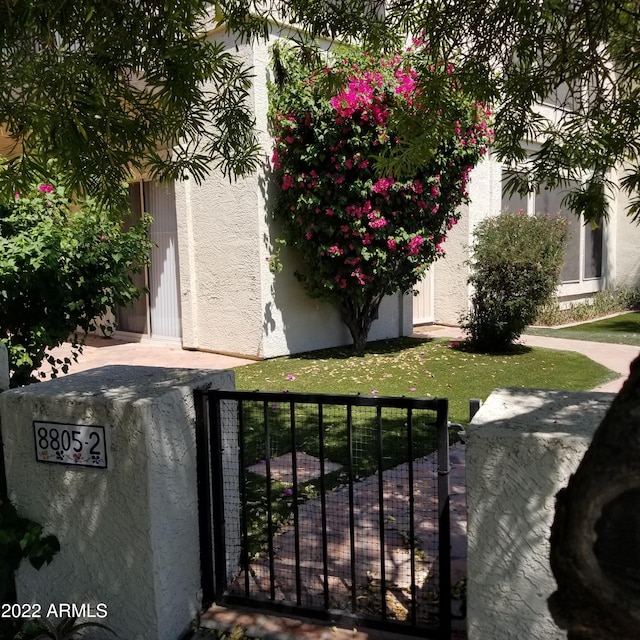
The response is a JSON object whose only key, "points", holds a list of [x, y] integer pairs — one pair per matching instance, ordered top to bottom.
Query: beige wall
{"points": [[9, 147], [627, 246], [451, 292]]}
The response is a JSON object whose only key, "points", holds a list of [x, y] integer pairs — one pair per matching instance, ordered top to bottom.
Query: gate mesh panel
{"points": [[339, 508]]}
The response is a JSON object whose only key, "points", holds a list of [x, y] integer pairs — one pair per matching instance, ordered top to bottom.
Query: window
{"points": [[563, 97], [583, 256]]}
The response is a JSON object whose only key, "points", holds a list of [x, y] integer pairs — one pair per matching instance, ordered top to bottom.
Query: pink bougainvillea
{"points": [[337, 207], [413, 246]]}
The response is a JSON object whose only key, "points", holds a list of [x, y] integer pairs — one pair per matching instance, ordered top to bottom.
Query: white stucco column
{"points": [[4, 368], [522, 446], [128, 532]]}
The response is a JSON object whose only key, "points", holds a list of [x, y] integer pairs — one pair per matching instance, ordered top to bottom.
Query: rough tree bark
{"points": [[359, 318], [595, 537]]}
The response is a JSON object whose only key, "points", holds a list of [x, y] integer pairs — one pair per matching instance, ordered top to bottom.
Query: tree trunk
{"points": [[359, 321], [359, 330], [360, 340], [595, 537]]}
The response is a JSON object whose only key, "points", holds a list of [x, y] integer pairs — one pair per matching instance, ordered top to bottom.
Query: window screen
{"points": [[549, 201], [592, 252]]}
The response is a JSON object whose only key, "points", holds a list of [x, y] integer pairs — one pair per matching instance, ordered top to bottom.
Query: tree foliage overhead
{"points": [[582, 56], [103, 86], [107, 86], [361, 235]]}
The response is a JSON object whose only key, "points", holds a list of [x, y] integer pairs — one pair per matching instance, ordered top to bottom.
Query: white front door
{"points": [[164, 288], [423, 302], [156, 315]]}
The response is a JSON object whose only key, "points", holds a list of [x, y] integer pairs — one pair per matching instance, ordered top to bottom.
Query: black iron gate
{"points": [[328, 506]]}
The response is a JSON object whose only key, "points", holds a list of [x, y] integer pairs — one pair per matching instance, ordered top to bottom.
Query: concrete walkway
{"points": [[99, 352], [617, 357]]}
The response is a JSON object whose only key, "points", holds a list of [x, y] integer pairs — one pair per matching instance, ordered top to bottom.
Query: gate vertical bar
{"points": [[267, 460], [203, 473], [3, 475], [217, 484], [243, 497], [323, 506], [296, 521], [444, 524], [412, 525], [352, 526], [383, 567]]}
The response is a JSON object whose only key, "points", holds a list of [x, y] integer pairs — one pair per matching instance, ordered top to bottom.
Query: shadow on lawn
{"points": [[390, 347], [513, 350]]}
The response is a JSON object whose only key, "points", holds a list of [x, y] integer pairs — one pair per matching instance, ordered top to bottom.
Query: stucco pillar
{"points": [[4, 368], [522, 447], [128, 532]]}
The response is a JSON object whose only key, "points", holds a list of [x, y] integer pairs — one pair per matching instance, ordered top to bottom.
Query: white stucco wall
{"points": [[627, 248], [219, 250], [621, 259], [450, 289], [451, 292], [231, 302], [292, 322], [4, 368], [522, 447], [128, 533]]}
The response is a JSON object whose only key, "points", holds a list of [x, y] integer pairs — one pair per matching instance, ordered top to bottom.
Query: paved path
{"points": [[99, 352], [617, 357], [372, 498]]}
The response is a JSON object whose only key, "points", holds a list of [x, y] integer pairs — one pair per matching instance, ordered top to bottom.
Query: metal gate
{"points": [[327, 506]]}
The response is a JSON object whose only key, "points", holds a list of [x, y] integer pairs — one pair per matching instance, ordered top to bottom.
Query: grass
{"points": [[600, 304], [622, 329], [424, 368]]}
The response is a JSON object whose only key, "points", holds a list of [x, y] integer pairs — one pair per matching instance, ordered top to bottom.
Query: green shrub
{"points": [[63, 263], [516, 267], [600, 304], [21, 538]]}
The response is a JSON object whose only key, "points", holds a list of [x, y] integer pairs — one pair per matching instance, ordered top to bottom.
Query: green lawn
{"points": [[622, 329], [423, 368]]}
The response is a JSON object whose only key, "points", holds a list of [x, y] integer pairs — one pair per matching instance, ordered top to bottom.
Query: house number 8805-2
{"points": [[81, 445]]}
